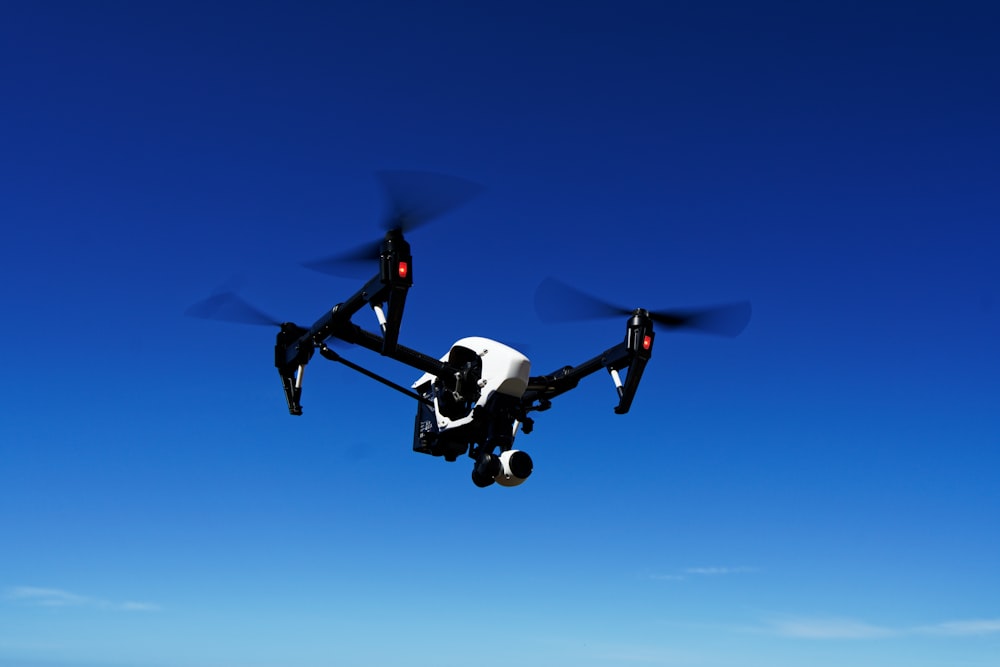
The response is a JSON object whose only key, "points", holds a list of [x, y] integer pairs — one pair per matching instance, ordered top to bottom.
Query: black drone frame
{"points": [[386, 293]]}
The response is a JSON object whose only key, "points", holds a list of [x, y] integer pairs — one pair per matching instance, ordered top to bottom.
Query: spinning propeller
{"points": [[414, 198], [556, 301], [230, 307]]}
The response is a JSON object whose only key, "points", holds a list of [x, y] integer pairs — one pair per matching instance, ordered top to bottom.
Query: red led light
{"points": [[404, 268], [647, 342]]}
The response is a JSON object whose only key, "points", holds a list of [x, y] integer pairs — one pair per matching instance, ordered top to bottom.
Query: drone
{"points": [[481, 394]]}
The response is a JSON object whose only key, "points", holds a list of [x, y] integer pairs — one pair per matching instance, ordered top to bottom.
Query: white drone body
{"points": [[504, 370], [495, 379]]}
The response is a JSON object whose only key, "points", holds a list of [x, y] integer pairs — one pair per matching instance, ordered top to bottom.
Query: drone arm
{"points": [[389, 287], [337, 321], [295, 345], [631, 354], [422, 362], [546, 387]]}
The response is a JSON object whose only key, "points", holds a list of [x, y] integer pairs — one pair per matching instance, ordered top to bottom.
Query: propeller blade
{"points": [[415, 198], [348, 264], [556, 301], [230, 307], [726, 320]]}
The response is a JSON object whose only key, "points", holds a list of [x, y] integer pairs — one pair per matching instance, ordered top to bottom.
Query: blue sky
{"points": [[821, 490]]}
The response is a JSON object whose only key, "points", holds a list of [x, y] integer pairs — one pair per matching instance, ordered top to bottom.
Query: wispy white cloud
{"points": [[718, 571], [45, 597], [55, 597], [138, 606], [984, 626], [827, 628], [846, 628]]}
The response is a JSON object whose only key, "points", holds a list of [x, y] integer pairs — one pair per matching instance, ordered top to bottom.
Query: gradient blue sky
{"points": [[820, 491]]}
